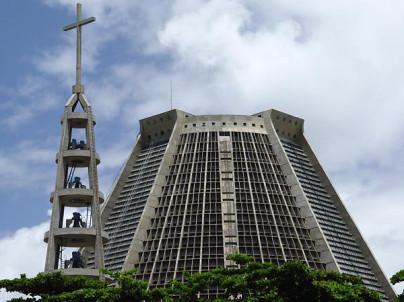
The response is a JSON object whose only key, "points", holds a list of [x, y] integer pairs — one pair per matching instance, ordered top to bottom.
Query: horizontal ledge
{"points": [[78, 119], [78, 157], [76, 197], [76, 237], [88, 272]]}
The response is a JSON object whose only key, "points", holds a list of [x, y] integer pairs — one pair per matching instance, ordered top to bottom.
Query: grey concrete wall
{"points": [[278, 124], [149, 211]]}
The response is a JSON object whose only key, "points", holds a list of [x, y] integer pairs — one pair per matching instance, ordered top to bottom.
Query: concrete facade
{"points": [[196, 188]]}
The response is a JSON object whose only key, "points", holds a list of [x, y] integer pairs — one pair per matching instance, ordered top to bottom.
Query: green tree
{"points": [[397, 278], [256, 281], [251, 282], [55, 287]]}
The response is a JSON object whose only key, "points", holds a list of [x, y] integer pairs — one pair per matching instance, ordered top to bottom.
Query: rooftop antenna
{"points": [[171, 94]]}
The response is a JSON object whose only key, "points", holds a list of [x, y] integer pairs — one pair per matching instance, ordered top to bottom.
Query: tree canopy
{"points": [[397, 278], [251, 282]]}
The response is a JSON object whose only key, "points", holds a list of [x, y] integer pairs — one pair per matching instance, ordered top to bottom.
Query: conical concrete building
{"points": [[196, 188]]}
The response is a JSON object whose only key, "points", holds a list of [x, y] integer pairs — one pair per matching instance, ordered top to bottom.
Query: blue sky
{"points": [[27, 28], [337, 64]]}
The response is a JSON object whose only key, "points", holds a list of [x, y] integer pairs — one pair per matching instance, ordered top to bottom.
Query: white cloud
{"points": [[328, 73], [34, 96], [114, 156], [23, 158], [375, 202], [22, 253], [4, 296]]}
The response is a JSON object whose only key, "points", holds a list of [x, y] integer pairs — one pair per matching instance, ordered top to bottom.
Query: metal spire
{"points": [[78, 88]]}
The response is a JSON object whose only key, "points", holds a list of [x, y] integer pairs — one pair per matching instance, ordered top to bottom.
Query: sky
{"points": [[337, 64]]}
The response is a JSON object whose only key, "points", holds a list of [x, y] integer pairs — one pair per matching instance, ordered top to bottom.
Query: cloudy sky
{"points": [[337, 64]]}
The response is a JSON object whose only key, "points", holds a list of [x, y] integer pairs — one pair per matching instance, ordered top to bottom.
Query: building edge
{"points": [[306, 210], [140, 235], [367, 253]]}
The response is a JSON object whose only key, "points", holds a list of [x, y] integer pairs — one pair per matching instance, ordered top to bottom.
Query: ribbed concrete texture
{"points": [[196, 188]]}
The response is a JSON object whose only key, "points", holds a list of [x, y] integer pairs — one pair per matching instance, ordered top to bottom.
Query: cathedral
{"points": [[194, 189]]}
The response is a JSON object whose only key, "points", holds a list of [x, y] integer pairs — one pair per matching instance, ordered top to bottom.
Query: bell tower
{"points": [[76, 221]]}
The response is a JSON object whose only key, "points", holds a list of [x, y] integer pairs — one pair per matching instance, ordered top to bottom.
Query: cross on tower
{"points": [[78, 88]]}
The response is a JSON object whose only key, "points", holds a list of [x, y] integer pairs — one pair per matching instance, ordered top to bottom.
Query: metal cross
{"points": [[78, 88]]}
